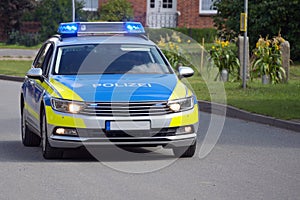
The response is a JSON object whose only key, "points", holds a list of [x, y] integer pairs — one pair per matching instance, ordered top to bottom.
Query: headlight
{"points": [[181, 104], [67, 106]]}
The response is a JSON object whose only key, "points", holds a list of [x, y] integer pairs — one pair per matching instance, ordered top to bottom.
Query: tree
{"points": [[116, 10], [11, 12], [52, 12], [265, 18]]}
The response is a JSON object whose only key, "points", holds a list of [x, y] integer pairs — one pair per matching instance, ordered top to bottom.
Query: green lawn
{"points": [[14, 67], [280, 101]]}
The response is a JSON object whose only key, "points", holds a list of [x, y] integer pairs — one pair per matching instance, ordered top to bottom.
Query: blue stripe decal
{"points": [[121, 87], [107, 125]]}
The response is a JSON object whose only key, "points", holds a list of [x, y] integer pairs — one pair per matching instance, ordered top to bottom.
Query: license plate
{"points": [[127, 125]]}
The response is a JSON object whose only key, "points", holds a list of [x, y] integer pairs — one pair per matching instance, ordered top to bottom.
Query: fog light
{"points": [[188, 129], [184, 130], [60, 131], [66, 131]]}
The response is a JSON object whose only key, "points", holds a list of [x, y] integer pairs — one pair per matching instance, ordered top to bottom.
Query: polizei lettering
{"points": [[109, 85]]}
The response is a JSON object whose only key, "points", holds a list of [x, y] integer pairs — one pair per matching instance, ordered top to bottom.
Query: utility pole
{"points": [[73, 10], [245, 59]]}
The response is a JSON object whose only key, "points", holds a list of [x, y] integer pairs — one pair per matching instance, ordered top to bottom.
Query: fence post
{"points": [[241, 57], [285, 58]]}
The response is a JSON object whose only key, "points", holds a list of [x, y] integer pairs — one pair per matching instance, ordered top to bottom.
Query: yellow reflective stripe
{"points": [[48, 89], [64, 91], [178, 92], [189, 93], [31, 111], [185, 119], [62, 120]]}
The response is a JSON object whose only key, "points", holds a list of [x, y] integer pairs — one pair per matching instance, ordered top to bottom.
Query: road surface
{"points": [[250, 161]]}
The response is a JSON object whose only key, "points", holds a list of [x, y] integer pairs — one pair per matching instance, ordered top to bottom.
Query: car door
{"points": [[34, 87]]}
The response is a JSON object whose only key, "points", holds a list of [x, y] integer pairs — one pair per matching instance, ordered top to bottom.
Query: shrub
{"points": [[116, 10], [209, 34], [26, 39]]}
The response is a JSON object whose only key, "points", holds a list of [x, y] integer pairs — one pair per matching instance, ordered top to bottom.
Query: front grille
{"points": [[127, 108], [152, 133]]}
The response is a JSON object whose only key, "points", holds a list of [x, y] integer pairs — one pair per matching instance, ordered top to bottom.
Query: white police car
{"points": [[105, 83]]}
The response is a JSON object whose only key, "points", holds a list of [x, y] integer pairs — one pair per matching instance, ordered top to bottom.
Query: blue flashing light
{"points": [[134, 27], [70, 29]]}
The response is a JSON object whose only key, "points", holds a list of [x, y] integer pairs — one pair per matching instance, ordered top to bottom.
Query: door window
{"points": [[167, 3], [44, 57]]}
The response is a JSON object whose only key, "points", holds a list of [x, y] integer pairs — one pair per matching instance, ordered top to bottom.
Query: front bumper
{"points": [[92, 131]]}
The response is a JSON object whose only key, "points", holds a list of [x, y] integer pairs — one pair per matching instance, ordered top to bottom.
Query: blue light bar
{"points": [[134, 27], [95, 28], [68, 29]]}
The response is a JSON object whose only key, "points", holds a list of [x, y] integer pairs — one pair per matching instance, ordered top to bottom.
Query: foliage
{"points": [[116, 10], [11, 12], [52, 12], [264, 18], [209, 34], [26, 39], [171, 49], [224, 57], [267, 59]]}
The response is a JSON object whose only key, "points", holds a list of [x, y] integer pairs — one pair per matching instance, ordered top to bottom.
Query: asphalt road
{"points": [[30, 53], [249, 161]]}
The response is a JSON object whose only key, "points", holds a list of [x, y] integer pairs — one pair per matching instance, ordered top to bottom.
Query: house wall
{"points": [[189, 13], [190, 17]]}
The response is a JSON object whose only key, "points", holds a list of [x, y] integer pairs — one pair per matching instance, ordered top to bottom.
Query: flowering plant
{"points": [[172, 50], [223, 57], [267, 59]]}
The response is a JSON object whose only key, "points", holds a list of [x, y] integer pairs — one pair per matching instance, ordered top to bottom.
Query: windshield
{"points": [[109, 59]]}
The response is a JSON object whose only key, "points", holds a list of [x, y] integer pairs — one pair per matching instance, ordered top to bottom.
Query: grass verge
{"points": [[14, 67]]}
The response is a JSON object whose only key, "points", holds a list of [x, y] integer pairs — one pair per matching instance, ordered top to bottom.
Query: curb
{"points": [[11, 78], [219, 109], [247, 116]]}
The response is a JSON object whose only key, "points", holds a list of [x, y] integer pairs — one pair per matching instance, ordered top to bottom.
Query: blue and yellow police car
{"points": [[106, 83]]}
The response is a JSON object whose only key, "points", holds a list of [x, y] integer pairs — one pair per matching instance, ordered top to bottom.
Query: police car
{"points": [[102, 84]]}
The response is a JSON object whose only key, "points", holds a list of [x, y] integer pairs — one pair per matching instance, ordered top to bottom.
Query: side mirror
{"points": [[185, 71], [35, 73]]}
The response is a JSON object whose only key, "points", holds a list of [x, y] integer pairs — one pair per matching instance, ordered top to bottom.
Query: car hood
{"points": [[119, 87]]}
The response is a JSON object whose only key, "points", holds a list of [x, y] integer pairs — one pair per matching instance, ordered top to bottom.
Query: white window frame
{"points": [[92, 5], [206, 12]]}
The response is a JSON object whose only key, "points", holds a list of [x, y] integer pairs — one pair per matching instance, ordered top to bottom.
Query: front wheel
{"points": [[29, 138], [48, 151], [185, 152]]}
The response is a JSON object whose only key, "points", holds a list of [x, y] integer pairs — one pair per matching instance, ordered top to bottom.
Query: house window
{"points": [[152, 3], [167, 3], [90, 5], [206, 7]]}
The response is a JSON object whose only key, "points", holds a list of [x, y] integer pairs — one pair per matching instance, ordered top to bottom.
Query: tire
{"points": [[29, 138], [48, 151], [185, 152]]}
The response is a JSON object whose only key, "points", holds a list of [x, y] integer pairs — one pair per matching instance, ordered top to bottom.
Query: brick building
{"points": [[168, 13]]}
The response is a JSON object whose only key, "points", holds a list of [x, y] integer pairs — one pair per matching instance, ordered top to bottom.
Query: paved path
{"points": [[250, 161]]}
